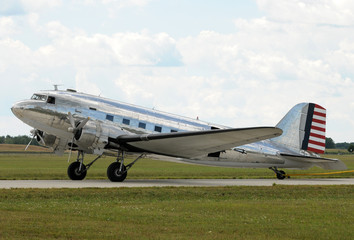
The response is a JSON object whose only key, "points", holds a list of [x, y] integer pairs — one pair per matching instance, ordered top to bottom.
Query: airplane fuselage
{"points": [[93, 124]]}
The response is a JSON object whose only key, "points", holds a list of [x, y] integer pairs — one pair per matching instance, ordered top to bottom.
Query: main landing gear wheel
{"points": [[75, 172], [115, 173]]}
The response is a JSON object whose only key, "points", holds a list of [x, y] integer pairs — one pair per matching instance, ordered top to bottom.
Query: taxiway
{"points": [[8, 184]]}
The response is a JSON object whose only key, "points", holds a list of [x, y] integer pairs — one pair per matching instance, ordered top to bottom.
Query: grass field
{"points": [[4, 148], [50, 166], [277, 212]]}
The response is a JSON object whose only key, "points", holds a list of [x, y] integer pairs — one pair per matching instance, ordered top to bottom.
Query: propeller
{"points": [[75, 129], [35, 133]]}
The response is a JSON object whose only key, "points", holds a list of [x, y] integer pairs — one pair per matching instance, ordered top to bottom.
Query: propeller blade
{"points": [[71, 119], [83, 123], [41, 138], [30, 142], [71, 149]]}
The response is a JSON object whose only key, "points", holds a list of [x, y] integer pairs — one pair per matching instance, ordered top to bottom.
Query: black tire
{"points": [[113, 172], [74, 173], [281, 175]]}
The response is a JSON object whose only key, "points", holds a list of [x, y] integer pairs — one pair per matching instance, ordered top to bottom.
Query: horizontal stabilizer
{"points": [[195, 143], [325, 163]]}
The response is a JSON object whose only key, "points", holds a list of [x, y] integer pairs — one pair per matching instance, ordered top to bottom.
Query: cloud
{"points": [[39, 5], [11, 7], [22, 7], [333, 13], [7, 27], [248, 77]]}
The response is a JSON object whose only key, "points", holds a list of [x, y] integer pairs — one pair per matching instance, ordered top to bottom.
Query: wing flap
{"points": [[194, 144]]}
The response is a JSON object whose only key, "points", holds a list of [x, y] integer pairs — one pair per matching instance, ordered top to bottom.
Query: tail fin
{"points": [[304, 128]]}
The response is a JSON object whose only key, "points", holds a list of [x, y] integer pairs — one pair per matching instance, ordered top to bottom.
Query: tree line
{"points": [[23, 139], [330, 144]]}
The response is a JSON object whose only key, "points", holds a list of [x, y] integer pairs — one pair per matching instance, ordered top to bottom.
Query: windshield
{"points": [[39, 97]]}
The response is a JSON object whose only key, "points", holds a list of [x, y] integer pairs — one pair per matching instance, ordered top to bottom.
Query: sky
{"points": [[239, 63]]}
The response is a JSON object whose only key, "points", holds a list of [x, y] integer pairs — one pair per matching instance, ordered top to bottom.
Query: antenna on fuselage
{"points": [[56, 86]]}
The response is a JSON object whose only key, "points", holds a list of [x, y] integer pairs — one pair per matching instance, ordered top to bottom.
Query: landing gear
{"points": [[77, 170], [117, 171], [279, 173]]}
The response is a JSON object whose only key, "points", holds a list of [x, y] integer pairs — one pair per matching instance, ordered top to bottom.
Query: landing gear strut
{"points": [[77, 170], [117, 171], [280, 173]]}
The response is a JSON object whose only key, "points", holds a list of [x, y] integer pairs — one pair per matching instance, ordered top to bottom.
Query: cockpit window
{"points": [[39, 97], [51, 100]]}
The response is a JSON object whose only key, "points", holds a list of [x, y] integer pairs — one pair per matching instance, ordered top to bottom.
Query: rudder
{"points": [[304, 128], [315, 129]]}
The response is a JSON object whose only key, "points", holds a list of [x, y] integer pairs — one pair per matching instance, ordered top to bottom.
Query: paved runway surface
{"points": [[7, 184]]}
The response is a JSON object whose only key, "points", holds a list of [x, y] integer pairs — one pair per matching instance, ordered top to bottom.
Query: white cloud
{"points": [[39, 5], [339, 12], [7, 27], [299, 51], [82, 83]]}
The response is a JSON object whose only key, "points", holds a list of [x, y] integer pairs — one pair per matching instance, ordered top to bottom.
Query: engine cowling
{"points": [[93, 137], [46, 139]]}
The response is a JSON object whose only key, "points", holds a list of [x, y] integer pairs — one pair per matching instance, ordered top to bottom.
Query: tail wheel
{"points": [[74, 171], [114, 174], [281, 175]]}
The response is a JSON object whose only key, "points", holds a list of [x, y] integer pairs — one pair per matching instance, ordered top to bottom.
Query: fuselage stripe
{"points": [[319, 114], [319, 117], [318, 121], [315, 124], [318, 129], [312, 134], [321, 140], [317, 143], [315, 150]]}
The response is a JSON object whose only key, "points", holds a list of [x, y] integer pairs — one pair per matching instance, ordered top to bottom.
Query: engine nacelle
{"points": [[93, 137], [45, 139]]}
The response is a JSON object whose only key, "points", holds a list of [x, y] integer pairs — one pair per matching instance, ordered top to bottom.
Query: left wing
{"points": [[195, 143]]}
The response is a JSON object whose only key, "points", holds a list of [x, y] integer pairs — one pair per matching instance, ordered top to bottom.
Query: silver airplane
{"points": [[68, 120]]}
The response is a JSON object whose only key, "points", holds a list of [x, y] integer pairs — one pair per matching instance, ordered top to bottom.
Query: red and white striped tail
{"points": [[315, 130]]}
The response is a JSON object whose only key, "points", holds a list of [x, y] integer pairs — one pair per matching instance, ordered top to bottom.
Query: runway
{"points": [[129, 183]]}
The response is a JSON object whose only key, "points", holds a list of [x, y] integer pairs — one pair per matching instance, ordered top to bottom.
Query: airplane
{"points": [[70, 120]]}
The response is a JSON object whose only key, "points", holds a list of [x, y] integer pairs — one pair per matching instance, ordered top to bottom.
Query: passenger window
{"points": [[51, 100], [109, 117], [126, 121], [142, 125], [158, 129], [172, 130]]}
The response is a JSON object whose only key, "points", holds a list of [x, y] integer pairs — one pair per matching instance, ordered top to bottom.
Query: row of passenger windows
{"points": [[140, 125]]}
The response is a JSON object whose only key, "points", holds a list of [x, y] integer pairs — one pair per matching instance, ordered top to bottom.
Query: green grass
{"points": [[49, 166], [277, 212]]}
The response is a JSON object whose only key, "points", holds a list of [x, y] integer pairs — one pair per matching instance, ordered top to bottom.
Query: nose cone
{"points": [[17, 110]]}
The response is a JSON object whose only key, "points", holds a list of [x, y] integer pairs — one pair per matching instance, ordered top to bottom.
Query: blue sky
{"points": [[236, 63]]}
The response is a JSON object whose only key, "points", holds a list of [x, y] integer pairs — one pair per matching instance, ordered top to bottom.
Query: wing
{"points": [[194, 144], [325, 163]]}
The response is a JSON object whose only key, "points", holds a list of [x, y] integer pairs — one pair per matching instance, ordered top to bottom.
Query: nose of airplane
{"points": [[17, 109]]}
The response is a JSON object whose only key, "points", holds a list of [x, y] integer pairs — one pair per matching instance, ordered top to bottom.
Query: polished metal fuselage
{"points": [[110, 119]]}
